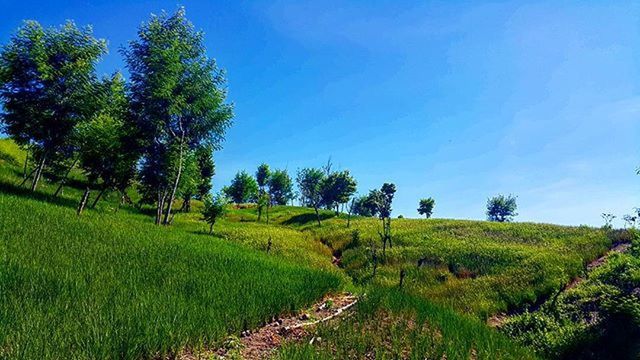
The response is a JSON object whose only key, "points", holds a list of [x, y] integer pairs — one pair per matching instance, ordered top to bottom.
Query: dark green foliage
{"points": [[47, 81], [177, 98], [107, 149], [207, 167], [262, 176], [310, 183], [280, 187], [243, 188], [337, 189], [363, 206], [425, 207], [501, 208], [214, 209], [598, 318]]}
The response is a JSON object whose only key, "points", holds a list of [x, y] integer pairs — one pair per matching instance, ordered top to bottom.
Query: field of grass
{"points": [[476, 267], [110, 284], [392, 324]]}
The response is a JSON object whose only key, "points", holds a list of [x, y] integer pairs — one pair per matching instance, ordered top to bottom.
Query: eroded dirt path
{"points": [[498, 319], [263, 342]]}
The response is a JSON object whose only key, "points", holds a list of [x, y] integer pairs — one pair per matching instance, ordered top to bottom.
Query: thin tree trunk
{"points": [[26, 164], [38, 174], [64, 179], [24, 181], [176, 182], [83, 201], [95, 202], [160, 207], [267, 215], [317, 215], [211, 228]]}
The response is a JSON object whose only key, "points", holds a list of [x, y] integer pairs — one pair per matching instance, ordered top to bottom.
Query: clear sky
{"points": [[454, 100]]}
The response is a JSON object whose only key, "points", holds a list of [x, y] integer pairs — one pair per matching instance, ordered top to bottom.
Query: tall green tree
{"points": [[46, 87], [178, 98], [107, 147], [262, 176], [310, 184], [280, 187], [243, 188], [337, 189], [425, 207]]}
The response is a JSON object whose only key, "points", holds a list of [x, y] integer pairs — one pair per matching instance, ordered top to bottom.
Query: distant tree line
{"points": [[159, 129]]}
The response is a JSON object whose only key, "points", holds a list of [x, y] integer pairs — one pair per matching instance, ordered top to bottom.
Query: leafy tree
{"points": [[46, 87], [178, 100], [106, 148], [207, 167], [262, 176], [196, 178], [189, 180], [310, 183], [280, 187], [243, 188], [337, 189], [380, 201], [263, 202], [364, 206], [425, 207], [501, 208], [214, 209]]}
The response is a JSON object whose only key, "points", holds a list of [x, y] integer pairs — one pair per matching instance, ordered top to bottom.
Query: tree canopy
{"points": [[178, 100], [425, 207], [501, 208]]}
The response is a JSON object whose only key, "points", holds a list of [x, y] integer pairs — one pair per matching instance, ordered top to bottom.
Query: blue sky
{"points": [[454, 100]]}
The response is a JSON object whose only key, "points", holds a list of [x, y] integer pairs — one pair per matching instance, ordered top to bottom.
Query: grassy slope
{"points": [[477, 267], [112, 285], [213, 286]]}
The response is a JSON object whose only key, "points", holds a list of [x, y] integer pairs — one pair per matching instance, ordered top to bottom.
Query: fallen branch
{"points": [[311, 323]]}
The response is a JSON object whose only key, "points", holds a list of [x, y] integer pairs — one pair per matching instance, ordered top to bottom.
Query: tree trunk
{"points": [[26, 164], [38, 174], [64, 179], [24, 181], [176, 182], [83, 201], [95, 202], [186, 204], [160, 207], [259, 213], [267, 215], [317, 215], [211, 228]]}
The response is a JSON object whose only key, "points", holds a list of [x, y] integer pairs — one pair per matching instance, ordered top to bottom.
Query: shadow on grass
{"points": [[14, 189], [304, 219]]}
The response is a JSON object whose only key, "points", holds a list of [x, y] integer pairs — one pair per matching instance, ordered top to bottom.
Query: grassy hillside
{"points": [[477, 267], [109, 284]]}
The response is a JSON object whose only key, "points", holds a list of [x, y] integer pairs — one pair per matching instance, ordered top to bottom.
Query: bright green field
{"points": [[110, 284]]}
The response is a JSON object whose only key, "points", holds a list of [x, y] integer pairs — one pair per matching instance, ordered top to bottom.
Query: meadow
{"points": [[110, 284]]}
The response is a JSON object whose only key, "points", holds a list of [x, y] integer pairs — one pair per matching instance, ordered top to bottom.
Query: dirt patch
{"points": [[261, 343]]}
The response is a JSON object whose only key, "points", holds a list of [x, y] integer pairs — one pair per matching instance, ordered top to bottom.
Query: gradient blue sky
{"points": [[454, 100]]}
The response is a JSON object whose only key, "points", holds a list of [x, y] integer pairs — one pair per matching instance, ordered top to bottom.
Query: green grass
{"points": [[475, 267], [109, 284], [392, 324]]}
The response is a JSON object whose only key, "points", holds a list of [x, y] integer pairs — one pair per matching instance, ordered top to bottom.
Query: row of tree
{"points": [[158, 129]]}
